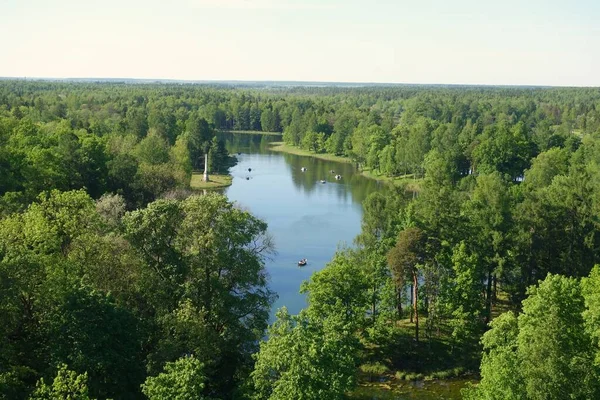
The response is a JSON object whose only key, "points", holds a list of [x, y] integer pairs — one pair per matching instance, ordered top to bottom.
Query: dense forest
{"points": [[117, 281]]}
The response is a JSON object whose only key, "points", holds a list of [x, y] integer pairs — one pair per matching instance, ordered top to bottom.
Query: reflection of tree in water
{"points": [[247, 143], [352, 183], [353, 186]]}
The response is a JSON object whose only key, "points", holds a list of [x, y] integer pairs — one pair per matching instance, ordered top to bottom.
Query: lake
{"points": [[306, 218]]}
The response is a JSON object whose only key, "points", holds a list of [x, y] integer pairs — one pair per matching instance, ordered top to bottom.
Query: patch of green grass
{"points": [[286, 148], [216, 181], [411, 184], [374, 369], [442, 374], [400, 375], [414, 377]]}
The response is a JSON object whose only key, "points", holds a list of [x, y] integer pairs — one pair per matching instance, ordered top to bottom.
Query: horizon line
{"points": [[300, 82]]}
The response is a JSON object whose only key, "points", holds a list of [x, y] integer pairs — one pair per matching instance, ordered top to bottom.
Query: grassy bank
{"points": [[253, 132], [286, 148], [408, 180], [216, 181], [411, 184]]}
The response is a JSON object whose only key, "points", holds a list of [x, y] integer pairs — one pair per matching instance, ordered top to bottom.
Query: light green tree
{"points": [[545, 353], [314, 355], [556, 361], [501, 377], [182, 379], [67, 385]]}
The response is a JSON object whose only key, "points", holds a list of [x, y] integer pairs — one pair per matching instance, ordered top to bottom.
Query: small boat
{"points": [[249, 169], [303, 169], [332, 171], [338, 177], [247, 178], [322, 180], [302, 262]]}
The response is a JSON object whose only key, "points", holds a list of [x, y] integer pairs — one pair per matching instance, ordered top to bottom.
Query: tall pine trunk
{"points": [[495, 295], [488, 300], [399, 302], [412, 302], [415, 305]]}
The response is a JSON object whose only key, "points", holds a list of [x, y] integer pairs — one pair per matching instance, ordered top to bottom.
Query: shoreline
{"points": [[282, 147], [409, 181]]}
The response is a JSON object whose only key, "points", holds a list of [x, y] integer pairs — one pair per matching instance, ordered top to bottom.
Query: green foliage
{"points": [[152, 150], [206, 268], [590, 288], [74, 291], [466, 302], [545, 352], [314, 355], [304, 358], [556, 362], [500, 376], [183, 379], [67, 385]]}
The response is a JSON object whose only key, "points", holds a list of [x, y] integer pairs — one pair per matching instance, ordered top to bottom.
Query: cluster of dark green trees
{"points": [[112, 286]]}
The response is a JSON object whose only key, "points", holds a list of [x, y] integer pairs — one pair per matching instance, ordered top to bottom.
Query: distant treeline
{"points": [[389, 129]]}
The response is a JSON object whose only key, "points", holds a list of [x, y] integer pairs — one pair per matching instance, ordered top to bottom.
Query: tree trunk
{"points": [[206, 167], [495, 295], [488, 298], [399, 301], [412, 302], [415, 306]]}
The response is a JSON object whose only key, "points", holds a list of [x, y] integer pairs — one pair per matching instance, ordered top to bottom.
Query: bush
{"points": [[374, 369], [400, 375], [414, 377]]}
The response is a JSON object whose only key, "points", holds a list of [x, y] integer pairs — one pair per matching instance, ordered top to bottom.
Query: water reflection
{"points": [[354, 184]]}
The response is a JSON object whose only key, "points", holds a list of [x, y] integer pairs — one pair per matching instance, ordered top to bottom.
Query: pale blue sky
{"points": [[511, 42]]}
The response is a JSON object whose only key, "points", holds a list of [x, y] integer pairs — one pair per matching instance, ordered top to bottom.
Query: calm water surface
{"points": [[306, 218]]}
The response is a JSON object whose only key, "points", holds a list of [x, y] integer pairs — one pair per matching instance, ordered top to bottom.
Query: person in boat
{"points": [[302, 262]]}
